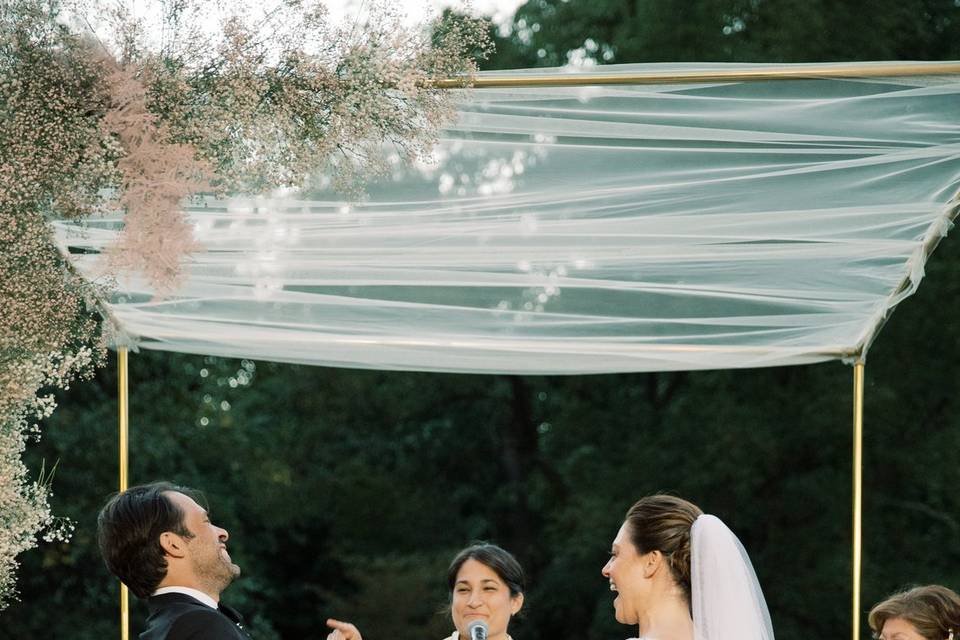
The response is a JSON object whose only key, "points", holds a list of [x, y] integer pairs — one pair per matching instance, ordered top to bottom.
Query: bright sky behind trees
{"points": [[500, 10]]}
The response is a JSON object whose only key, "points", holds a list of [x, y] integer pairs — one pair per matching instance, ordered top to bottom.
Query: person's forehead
{"points": [[185, 502], [622, 534], [474, 570], [898, 626]]}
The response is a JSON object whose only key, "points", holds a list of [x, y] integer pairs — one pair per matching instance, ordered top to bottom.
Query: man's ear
{"points": [[173, 544], [651, 563]]}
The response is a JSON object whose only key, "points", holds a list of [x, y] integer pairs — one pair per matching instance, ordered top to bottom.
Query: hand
{"points": [[342, 630]]}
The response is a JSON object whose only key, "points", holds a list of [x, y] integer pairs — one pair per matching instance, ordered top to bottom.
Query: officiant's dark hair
{"points": [[662, 523], [128, 533], [498, 559], [933, 610]]}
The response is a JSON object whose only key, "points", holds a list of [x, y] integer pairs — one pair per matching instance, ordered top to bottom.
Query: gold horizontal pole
{"points": [[786, 72]]}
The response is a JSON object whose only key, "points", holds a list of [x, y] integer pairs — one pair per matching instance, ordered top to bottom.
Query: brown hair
{"points": [[662, 523], [128, 532], [496, 558], [933, 610]]}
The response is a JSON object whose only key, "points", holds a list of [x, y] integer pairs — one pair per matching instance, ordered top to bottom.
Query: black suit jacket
{"points": [[177, 616]]}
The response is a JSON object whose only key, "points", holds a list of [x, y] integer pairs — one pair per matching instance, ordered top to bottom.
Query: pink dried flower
{"points": [[268, 104]]}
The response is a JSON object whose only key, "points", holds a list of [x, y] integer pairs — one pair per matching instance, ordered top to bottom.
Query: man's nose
{"points": [[224, 536]]}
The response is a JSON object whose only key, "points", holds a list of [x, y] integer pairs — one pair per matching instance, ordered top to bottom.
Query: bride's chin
{"points": [[617, 612], [621, 615]]}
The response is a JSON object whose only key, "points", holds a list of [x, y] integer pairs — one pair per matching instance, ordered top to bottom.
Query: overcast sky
{"points": [[418, 9]]}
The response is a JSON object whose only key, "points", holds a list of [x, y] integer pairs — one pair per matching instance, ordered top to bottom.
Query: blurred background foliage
{"points": [[347, 492]]}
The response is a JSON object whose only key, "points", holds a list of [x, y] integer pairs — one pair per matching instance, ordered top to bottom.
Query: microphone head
{"points": [[477, 630]]}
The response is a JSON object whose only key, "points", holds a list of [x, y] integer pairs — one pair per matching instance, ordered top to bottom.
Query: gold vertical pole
{"points": [[123, 387], [857, 490]]}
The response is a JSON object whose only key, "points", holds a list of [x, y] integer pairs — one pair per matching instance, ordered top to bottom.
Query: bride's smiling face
{"points": [[627, 571]]}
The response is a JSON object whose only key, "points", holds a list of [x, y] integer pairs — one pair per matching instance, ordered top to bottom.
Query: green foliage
{"points": [[545, 32], [262, 104], [50, 158], [346, 492]]}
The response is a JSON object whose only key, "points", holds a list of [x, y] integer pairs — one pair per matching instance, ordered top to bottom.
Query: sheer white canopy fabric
{"points": [[583, 230], [725, 595]]}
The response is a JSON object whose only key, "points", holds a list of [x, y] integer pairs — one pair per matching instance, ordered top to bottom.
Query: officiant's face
{"points": [[208, 547], [626, 571], [479, 593]]}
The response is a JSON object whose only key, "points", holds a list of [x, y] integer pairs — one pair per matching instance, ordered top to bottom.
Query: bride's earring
{"points": [[950, 635]]}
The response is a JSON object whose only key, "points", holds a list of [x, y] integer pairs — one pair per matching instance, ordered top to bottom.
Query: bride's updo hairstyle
{"points": [[662, 523], [933, 610]]}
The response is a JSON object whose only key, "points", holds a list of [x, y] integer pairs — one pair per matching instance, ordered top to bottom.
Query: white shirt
{"points": [[193, 593], [456, 636]]}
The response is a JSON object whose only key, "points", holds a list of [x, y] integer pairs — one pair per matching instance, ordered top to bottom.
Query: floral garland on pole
{"points": [[90, 123]]}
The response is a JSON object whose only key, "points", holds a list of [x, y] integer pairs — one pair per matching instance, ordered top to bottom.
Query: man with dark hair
{"points": [[162, 545]]}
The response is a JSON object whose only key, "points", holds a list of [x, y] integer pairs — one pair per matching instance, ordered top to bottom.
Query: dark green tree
{"points": [[544, 32]]}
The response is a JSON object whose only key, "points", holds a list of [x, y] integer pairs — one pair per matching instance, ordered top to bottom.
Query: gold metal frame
{"points": [[791, 72], [858, 371], [858, 377], [123, 405]]}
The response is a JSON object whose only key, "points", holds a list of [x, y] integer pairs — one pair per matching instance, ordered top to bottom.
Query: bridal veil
{"points": [[726, 598]]}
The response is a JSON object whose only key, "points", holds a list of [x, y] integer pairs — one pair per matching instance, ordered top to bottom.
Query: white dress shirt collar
{"points": [[193, 593]]}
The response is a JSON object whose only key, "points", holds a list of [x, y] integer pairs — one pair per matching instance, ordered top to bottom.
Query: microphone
{"points": [[477, 630]]}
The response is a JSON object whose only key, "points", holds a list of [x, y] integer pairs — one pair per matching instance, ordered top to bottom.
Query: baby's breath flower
{"points": [[266, 105]]}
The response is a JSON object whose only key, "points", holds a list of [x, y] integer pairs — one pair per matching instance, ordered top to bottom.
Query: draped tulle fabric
{"points": [[585, 230], [728, 603]]}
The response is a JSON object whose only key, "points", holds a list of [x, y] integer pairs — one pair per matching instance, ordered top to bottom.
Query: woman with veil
{"points": [[680, 574]]}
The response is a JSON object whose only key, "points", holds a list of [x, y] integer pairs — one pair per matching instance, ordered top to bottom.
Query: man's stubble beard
{"points": [[216, 572]]}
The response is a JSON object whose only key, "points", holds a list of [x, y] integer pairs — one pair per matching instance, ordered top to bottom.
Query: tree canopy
{"points": [[545, 32]]}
